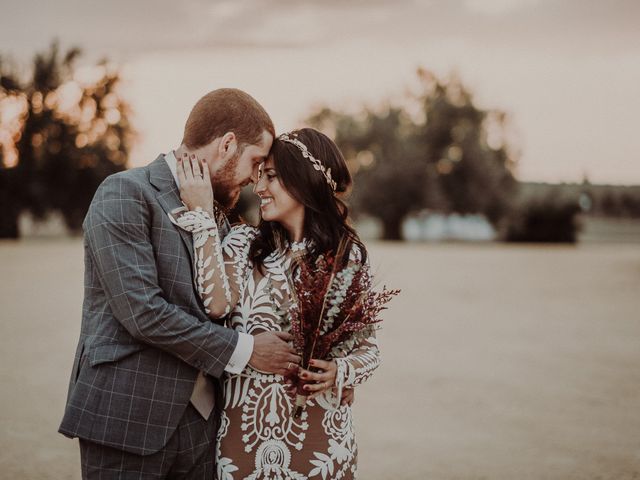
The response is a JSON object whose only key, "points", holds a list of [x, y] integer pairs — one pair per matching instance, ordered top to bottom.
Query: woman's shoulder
{"points": [[243, 229], [241, 233]]}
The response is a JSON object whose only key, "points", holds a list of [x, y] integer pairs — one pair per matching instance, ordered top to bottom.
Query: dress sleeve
{"points": [[220, 265], [363, 357], [359, 365]]}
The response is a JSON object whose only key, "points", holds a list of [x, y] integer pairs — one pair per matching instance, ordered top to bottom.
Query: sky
{"points": [[566, 71]]}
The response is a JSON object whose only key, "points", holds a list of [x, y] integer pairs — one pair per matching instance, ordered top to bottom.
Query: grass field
{"points": [[499, 362]]}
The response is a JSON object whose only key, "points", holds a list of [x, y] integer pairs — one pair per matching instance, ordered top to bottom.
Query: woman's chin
{"points": [[267, 216]]}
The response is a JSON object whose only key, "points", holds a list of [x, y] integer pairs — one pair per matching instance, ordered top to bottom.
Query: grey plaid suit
{"points": [[144, 333]]}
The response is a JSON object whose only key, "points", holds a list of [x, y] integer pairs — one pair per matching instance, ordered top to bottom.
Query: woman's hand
{"points": [[195, 183], [321, 381], [348, 394]]}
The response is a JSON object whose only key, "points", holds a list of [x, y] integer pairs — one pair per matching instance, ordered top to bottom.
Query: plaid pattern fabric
{"points": [[144, 333], [187, 455]]}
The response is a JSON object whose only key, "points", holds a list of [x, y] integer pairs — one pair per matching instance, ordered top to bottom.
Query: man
{"points": [[144, 384]]}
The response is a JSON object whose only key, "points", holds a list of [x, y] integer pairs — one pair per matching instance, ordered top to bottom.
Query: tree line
{"points": [[63, 129]]}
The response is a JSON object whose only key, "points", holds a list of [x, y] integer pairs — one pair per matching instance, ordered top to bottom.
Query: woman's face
{"points": [[276, 205]]}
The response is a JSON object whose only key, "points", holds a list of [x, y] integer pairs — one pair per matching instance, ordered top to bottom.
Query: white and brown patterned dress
{"points": [[258, 437]]}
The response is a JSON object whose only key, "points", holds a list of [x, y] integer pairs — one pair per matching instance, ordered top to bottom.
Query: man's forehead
{"points": [[267, 140], [264, 146]]}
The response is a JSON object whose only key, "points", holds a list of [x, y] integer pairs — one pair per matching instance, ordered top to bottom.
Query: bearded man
{"points": [[144, 397]]}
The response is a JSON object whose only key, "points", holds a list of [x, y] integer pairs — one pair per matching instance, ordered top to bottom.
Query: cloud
{"points": [[497, 7], [124, 28]]}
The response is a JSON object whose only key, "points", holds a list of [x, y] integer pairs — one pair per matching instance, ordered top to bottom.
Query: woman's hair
{"points": [[226, 110], [326, 217]]}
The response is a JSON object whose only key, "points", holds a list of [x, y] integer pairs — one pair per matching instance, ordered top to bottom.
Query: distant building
{"points": [[435, 227]]}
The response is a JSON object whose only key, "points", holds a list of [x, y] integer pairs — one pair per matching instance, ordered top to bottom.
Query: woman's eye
{"points": [[271, 176]]}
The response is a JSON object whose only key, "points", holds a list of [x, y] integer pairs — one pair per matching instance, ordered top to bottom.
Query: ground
{"points": [[499, 362]]}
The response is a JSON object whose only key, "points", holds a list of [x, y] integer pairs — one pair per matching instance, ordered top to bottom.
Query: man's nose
{"points": [[255, 174], [258, 186]]}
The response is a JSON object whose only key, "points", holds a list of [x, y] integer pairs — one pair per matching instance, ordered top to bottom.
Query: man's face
{"points": [[240, 170]]}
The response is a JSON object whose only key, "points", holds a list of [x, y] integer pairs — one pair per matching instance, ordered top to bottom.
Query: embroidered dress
{"points": [[258, 437]]}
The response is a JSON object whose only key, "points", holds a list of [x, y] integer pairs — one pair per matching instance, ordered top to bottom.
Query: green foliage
{"points": [[72, 131], [438, 159], [389, 178], [613, 201], [544, 219]]}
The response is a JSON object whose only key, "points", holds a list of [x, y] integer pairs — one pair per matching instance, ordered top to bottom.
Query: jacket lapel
{"points": [[168, 196]]}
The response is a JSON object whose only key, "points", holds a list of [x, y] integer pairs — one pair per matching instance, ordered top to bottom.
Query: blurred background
{"points": [[495, 156]]}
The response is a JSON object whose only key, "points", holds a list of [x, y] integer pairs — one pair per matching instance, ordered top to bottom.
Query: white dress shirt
{"points": [[244, 347]]}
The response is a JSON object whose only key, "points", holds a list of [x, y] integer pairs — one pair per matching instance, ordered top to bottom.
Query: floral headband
{"points": [[317, 164]]}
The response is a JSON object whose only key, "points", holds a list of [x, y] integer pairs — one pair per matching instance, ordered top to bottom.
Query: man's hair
{"points": [[226, 110]]}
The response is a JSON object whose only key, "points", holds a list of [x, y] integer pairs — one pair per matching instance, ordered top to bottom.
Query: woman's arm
{"points": [[220, 265], [353, 369], [345, 372]]}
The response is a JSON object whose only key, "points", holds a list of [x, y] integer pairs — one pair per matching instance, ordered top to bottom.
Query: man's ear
{"points": [[228, 145]]}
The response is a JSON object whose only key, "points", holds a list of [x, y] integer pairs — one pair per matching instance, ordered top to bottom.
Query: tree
{"points": [[63, 130], [467, 148], [442, 160], [390, 179]]}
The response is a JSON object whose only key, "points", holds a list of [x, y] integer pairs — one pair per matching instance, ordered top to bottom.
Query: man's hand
{"points": [[273, 354]]}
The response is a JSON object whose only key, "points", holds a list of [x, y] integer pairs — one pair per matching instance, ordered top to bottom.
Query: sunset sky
{"points": [[566, 71]]}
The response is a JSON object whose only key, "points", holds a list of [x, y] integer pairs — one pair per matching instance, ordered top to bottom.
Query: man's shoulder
{"points": [[131, 176], [119, 193]]}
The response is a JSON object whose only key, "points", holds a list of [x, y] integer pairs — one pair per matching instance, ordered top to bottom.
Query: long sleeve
{"points": [[117, 231], [221, 265], [211, 280], [362, 353], [358, 366]]}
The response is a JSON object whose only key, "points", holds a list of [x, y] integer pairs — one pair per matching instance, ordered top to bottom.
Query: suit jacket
{"points": [[144, 333]]}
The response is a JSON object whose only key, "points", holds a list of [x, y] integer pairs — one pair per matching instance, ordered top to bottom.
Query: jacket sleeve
{"points": [[117, 231]]}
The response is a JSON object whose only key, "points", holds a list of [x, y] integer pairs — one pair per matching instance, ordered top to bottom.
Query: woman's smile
{"points": [[265, 201]]}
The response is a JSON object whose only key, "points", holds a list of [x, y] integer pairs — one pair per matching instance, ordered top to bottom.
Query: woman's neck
{"points": [[294, 227], [294, 233]]}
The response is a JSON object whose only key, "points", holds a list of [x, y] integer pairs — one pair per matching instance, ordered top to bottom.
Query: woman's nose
{"points": [[258, 186]]}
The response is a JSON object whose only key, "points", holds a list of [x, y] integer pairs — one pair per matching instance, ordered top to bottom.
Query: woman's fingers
{"points": [[186, 165], [185, 168], [195, 168], [180, 169], [205, 171], [195, 183], [323, 364], [328, 370], [314, 376], [317, 387]]}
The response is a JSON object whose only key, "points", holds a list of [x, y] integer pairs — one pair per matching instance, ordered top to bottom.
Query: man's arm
{"points": [[117, 231]]}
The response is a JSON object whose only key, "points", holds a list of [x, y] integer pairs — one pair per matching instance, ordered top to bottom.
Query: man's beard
{"points": [[226, 191]]}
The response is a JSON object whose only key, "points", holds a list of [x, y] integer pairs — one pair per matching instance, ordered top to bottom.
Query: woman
{"points": [[246, 276]]}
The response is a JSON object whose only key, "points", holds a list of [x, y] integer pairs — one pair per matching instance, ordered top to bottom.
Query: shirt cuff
{"points": [[241, 355]]}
